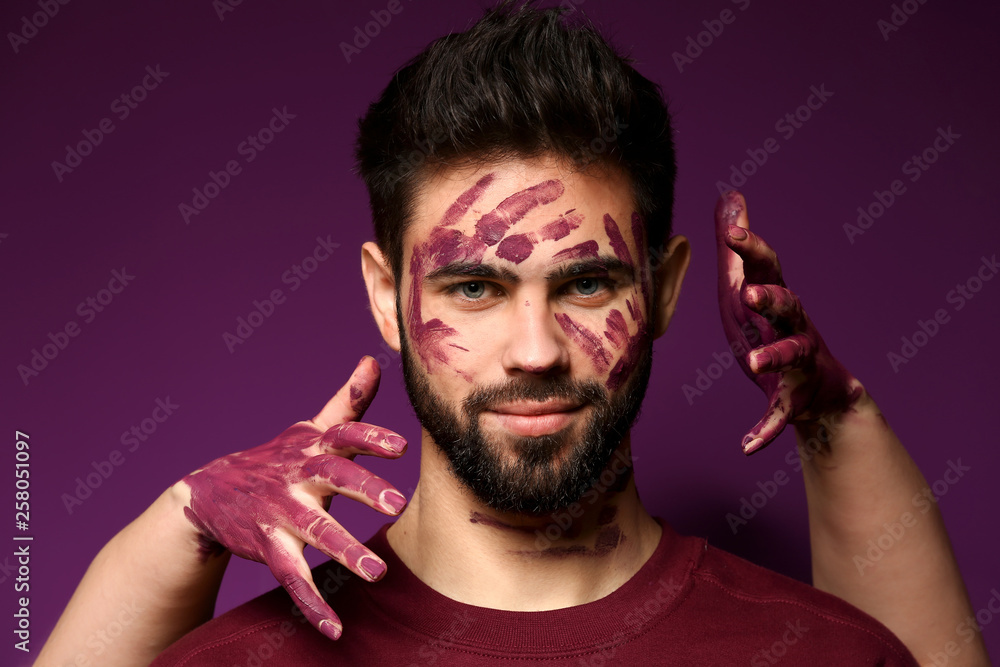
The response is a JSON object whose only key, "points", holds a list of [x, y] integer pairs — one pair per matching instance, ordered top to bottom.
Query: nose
{"points": [[536, 344]]}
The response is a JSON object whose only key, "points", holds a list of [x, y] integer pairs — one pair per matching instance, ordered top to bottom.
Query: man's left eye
{"points": [[587, 286]]}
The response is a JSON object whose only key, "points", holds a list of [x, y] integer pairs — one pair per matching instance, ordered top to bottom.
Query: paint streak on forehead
{"points": [[490, 228], [518, 247]]}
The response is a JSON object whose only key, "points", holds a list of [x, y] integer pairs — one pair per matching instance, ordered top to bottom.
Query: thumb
{"points": [[350, 403]]}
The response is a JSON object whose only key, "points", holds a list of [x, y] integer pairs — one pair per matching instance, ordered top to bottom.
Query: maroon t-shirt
{"points": [[690, 604]]}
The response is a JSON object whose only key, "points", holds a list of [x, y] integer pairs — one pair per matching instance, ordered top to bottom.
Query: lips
{"points": [[534, 418]]}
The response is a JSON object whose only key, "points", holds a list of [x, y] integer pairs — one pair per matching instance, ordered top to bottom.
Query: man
{"points": [[524, 282]]}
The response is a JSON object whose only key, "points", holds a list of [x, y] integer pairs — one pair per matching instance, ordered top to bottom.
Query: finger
{"points": [[729, 209], [760, 262], [778, 304], [782, 355], [350, 403], [770, 425], [357, 438], [349, 479], [324, 533], [294, 576]]}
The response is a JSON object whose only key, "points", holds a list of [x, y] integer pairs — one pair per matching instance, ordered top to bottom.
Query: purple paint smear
{"points": [[461, 205], [491, 227], [561, 227], [516, 248], [579, 251], [617, 330], [588, 342], [635, 343]]}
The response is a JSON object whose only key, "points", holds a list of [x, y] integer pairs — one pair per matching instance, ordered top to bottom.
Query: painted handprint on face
{"points": [[446, 245]]}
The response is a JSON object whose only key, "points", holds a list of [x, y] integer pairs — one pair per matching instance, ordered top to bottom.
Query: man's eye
{"points": [[587, 286], [472, 290]]}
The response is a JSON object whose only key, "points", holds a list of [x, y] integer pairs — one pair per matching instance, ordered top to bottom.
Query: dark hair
{"points": [[520, 83]]}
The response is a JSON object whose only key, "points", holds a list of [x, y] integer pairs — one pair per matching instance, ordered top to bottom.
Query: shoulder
{"points": [[775, 613]]}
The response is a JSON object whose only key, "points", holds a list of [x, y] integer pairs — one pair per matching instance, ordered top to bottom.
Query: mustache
{"points": [[524, 389]]}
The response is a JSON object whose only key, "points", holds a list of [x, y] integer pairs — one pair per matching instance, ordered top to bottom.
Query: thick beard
{"points": [[537, 483]]}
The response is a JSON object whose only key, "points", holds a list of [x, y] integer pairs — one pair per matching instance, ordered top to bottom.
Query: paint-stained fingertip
{"points": [[729, 206], [752, 444], [330, 629]]}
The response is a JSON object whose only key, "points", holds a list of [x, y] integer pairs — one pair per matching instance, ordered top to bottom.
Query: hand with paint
{"points": [[770, 334], [267, 503]]}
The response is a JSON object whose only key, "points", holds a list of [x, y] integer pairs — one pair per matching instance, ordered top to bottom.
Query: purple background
{"points": [[162, 336]]}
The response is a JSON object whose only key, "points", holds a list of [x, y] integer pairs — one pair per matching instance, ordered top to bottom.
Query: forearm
{"points": [[877, 536], [146, 588]]}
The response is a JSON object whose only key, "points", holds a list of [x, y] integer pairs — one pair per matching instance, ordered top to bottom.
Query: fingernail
{"points": [[737, 233], [764, 359], [397, 443], [752, 444], [393, 500], [373, 568], [330, 629]]}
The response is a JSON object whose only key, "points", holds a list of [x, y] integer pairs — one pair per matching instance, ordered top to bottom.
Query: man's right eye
{"points": [[474, 290]]}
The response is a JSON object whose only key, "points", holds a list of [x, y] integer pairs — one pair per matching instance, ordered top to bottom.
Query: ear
{"points": [[669, 276], [381, 292]]}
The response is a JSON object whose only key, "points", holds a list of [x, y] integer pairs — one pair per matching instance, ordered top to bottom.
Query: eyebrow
{"points": [[604, 264], [472, 270]]}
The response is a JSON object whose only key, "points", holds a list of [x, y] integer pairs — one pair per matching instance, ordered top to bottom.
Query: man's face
{"points": [[524, 310]]}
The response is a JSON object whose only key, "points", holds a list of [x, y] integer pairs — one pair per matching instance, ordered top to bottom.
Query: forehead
{"points": [[506, 203]]}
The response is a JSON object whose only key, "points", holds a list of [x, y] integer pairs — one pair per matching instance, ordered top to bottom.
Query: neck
{"points": [[468, 552]]}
